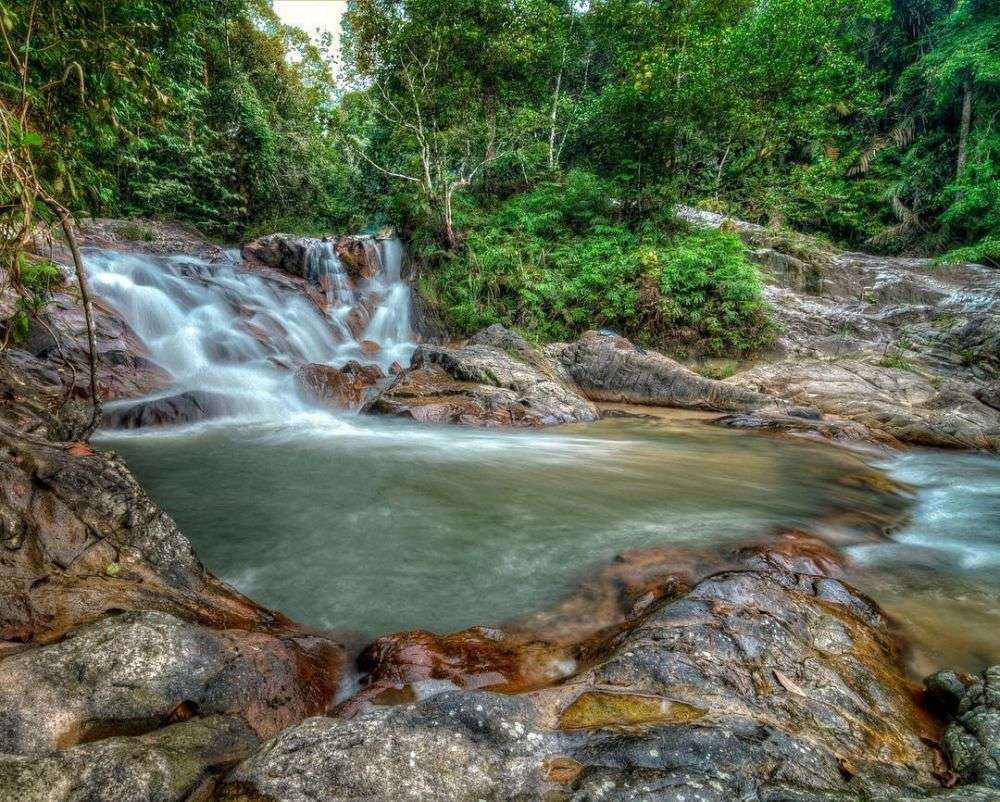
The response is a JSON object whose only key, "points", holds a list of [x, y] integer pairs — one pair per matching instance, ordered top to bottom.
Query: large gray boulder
{"points": [[495, 379], [904, 404], [180, 762]]}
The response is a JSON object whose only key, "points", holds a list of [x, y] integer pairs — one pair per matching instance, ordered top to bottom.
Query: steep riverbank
{"points": [[741, 663]]}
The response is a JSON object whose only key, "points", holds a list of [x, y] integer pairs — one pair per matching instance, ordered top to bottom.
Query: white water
{"points": [[220, 329], [294, 506]]}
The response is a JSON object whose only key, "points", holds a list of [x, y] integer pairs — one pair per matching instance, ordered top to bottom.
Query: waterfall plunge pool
{"points": [[375, 525]]}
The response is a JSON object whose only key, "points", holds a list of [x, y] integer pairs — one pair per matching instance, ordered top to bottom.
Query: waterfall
{"points": [[233, 338]]}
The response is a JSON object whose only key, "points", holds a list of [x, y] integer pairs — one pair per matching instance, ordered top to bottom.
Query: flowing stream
{"points": [[376, 525]]}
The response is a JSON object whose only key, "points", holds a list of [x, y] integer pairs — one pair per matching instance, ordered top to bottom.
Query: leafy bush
{"points": [[557, 260], [709, 286]]}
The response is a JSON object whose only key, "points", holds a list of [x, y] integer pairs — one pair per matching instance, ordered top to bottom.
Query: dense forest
{"points": [[530, 151]]}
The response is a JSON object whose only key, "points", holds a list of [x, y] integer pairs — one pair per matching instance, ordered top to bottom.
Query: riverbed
{"points": [[370, 526]]}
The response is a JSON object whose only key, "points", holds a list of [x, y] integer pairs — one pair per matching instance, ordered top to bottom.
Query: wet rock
{"points": [[280, 251], [359, 255], [370, 348], [610, 368], [483, 384], [348, 387], [430, 395], [900, 404], [172, 410], [838, 431], [81, 540], [479, 657], [136, 672], [754, 684], [972, 741], [180, 762]]}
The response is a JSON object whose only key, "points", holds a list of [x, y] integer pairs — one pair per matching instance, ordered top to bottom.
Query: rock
{"points": [[282, 252], [359, 255], [427, 321], [941, 321], [370, 348], [610, 368], [481, 384], [348, 387], [989, 394], [899, 404], [187, 407], [846, 432], [81, 540], [479, 657], [136, 672], [752, 684], [945, 690], [972, 741], [174, 764]]}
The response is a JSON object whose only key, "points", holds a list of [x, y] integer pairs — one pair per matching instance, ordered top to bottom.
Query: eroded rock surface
{"points": [[906, 347], [610, 368], [496, 379], [902, 404], [760, 683], [972, 741]]}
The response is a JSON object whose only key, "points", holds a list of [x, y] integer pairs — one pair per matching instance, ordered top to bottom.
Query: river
{"points": [[372, 525]]}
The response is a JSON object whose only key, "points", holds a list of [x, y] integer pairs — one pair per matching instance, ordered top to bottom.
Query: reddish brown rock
{"points": [[359, 256], [370, 348], [347, 387], [479, 657]]}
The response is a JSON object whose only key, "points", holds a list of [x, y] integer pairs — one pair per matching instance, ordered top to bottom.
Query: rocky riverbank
{"points": [[128, 671]]}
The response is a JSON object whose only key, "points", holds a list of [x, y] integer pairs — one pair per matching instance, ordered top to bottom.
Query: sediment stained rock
{"points": [[348, 387]]}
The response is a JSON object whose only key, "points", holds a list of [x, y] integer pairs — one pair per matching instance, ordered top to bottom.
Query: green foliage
{"points": [[180, 108], [553, 268], [32, 282], [709, 286]]}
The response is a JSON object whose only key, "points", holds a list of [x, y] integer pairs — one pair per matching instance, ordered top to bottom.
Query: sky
{"points": [[312, 14]]}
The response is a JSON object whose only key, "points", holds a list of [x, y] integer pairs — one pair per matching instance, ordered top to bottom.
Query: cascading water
{"points": [[235, 337]]}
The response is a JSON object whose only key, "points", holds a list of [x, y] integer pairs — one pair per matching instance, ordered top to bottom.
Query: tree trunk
{"points": [[963, 131]]}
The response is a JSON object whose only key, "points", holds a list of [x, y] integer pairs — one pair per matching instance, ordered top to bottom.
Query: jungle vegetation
{"points": [[529, 151]]}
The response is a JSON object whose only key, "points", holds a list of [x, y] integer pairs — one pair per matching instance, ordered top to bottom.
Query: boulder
{"points": [[281, 252], [359, 255], [610, 368], [493, 380], [348, 387], [896, 403], [187, 407], [80, 540], [136, 672], [758, 683], [972, 741], [178, 763]]}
